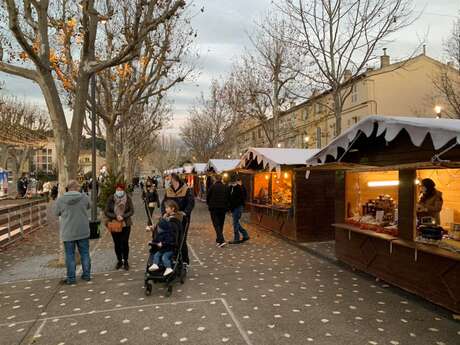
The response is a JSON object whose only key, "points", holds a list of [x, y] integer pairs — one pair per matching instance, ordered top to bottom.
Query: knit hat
{"points": [[120, 186]]}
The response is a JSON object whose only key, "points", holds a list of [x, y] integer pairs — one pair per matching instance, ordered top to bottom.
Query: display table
{"points": [[426, 270]]}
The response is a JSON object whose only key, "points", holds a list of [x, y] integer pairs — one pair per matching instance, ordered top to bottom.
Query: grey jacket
{"points": [[73, 208]]}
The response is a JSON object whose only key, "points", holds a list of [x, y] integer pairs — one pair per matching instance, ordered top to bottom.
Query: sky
{"points": [[222, 37]]}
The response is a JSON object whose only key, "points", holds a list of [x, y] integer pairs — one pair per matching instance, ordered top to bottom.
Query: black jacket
{"points": [[236, 196], [151, 197], [217, 197], [184, 198], [110, 210]]}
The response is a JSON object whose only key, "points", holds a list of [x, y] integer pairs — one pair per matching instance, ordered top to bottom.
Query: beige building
{"points": [[399, 89], [85, 159]]}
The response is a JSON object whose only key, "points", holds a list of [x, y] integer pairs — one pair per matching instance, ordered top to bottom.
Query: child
{"points": [[165, 238]]}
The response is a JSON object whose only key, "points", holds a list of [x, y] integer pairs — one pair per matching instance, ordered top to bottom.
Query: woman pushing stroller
{"points": [[165, 238]]}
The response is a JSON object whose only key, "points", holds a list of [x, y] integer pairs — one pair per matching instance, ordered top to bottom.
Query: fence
{"points": [[20, 219]]}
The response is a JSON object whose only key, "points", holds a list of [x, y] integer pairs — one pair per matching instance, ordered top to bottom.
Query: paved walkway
{"points": [[265, 291]]}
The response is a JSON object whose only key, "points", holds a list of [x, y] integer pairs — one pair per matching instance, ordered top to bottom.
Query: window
{"points": [[354, 93]]}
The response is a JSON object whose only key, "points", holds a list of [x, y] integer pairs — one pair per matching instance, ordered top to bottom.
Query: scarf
{"points": [[120, 205]]}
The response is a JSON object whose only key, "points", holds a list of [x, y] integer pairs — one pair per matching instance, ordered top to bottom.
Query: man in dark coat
{"points": [[22, 186], [183, 196], [237, 199], [218, 206]]}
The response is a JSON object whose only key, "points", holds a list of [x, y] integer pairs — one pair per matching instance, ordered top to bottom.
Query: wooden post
{"points": [[340, 202], [406, 204]]}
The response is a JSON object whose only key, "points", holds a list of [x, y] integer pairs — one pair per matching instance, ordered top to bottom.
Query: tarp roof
{"points": [[441, 131], [274, 158], [222, 165], [199, 167]]}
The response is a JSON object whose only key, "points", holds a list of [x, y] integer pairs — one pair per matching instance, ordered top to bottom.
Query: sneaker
{"points": [[245, 239], [235, 242], [220, 245], [119, 264], [126, 266], [154, 267], [168, 271], [88, 279], [67, 282]]}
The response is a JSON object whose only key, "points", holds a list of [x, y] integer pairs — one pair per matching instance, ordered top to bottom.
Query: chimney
{"points": [[424, 49], [384, 59], [346, 75]]}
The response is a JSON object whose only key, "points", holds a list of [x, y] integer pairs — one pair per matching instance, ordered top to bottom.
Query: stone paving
{"points": [[265, 291]]}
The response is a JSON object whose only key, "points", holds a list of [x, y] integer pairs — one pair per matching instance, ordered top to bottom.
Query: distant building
{"points": [[403, 88], [85, 162]]}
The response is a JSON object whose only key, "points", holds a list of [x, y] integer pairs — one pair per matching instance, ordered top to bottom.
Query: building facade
{"points": [[395, 89]]}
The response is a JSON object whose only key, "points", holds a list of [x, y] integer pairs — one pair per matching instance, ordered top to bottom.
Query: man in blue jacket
{"points": [[72, 208]]}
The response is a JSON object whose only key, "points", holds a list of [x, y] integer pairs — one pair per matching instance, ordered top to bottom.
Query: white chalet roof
{"points": [[441, 131], [274, 158], [222, 165], [200, 167]]}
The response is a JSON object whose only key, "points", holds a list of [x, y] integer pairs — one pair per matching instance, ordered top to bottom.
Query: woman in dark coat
{"points": [[151, 200], [120, 207]]}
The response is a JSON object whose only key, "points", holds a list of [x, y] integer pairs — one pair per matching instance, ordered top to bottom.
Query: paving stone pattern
{"points": [[265, 291]]}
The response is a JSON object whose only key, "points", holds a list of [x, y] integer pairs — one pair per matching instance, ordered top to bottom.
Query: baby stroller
{"points": [[179, 270]]}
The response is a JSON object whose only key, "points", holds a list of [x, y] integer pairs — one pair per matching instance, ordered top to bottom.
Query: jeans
{"points": [[218, 220], [237, 228], [121, 242], [83, 249], [163, 258]]}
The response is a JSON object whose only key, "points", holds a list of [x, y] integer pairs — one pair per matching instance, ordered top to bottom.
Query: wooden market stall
{"points": [[192, 173], [282, 200], [378, 230]]}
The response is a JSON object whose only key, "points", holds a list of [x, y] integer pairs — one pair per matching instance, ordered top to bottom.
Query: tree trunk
{"points": [[276, 111], [337, 112], [111, 155]]}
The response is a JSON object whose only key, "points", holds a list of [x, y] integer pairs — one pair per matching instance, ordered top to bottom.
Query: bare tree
{"points": [[341, 37], [56, 41], [266, 80], [447, 81], [126, 88], [26, 126], [206, 132], [138, 134], [167, 153]]}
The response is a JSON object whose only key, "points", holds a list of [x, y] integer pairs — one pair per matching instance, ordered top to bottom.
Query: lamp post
{"points": [[306, 140], [94, 223]]}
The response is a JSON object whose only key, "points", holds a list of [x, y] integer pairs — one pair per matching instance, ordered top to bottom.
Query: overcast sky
{"points": [[222, 37]]}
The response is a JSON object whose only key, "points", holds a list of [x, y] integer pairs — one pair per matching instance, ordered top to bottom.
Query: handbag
{"points": [[152, 204], [115, 226]]}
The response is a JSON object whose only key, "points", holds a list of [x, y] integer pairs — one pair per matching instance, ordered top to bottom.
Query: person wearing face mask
{"points": [[430, 202], [120, 207]]}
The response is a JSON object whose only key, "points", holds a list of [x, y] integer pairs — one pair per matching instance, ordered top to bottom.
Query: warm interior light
{"points": [[225, 175], [286, 175], [267, 177], [417, 181], [383, 183]]}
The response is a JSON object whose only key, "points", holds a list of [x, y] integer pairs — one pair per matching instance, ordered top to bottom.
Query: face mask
{"points": [[423, 189], [119, 193]]}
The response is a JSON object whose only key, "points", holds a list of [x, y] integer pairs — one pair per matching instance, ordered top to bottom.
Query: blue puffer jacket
{"points": [[166, 234]]}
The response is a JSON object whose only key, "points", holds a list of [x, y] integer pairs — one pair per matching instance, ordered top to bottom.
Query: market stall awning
{"points": [[441, 131], [275, 158], [221, 165], [199, 168]]}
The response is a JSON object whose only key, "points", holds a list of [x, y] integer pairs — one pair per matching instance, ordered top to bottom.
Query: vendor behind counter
{"points": [[430, 201]]}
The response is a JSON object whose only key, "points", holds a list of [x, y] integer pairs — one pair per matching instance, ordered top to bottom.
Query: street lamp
{"points": [[438, 110], [306, 140], [279, 145]]}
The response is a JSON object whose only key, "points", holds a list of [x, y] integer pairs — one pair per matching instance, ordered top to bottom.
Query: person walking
{"points": [[22, 185], [47, 190], [179, 192], [237, 199], [151, 200], [218, 205], [72, 208], [120, 208]]}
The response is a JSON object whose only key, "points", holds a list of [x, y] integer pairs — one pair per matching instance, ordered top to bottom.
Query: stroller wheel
{"points": [[148, 288], [169, 291]]}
